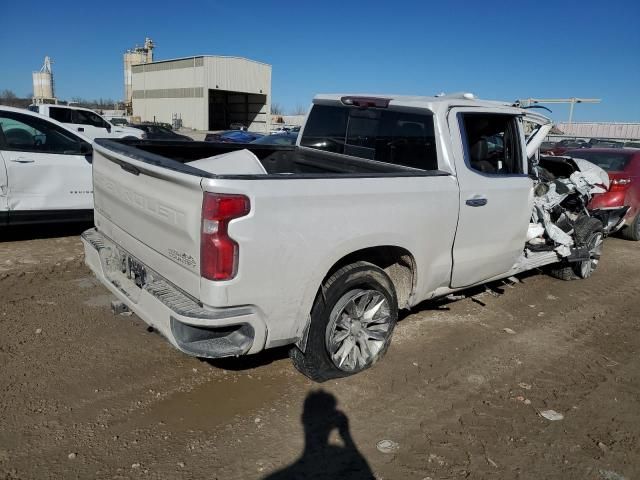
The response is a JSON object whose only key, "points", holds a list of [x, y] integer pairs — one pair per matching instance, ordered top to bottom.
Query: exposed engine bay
{"points": [[561, 221]]}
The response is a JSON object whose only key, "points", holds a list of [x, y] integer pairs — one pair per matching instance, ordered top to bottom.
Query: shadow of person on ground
{"points": [[321, 460]]}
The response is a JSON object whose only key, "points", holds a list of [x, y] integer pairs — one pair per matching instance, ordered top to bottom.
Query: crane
{"points": [[571, 101]]}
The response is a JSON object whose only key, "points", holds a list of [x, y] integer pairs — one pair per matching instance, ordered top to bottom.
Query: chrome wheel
{"points": [[595, 252], [359, 327]]}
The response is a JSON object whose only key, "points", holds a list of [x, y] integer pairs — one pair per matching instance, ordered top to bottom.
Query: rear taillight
{"points": [[619, 184], [219, 252]]}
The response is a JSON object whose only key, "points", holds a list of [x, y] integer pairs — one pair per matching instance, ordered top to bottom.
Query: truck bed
{"points": [[277, 160]]}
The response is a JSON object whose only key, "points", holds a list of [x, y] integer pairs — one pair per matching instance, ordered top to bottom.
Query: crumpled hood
{"points": [[592, 175], [572, 176]]}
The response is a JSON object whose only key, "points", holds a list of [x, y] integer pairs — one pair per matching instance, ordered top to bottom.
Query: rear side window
{"points": [[62, 115], [82, 117], [390, 136]]}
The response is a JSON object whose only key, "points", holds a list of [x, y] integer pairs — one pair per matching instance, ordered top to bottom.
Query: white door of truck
{"points": [[91, 124], [47, 167], [4, 187], [496, 194]]}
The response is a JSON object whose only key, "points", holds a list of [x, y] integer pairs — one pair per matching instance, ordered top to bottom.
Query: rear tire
{"points": [[588, 231], [632, 232], [352, 321]]}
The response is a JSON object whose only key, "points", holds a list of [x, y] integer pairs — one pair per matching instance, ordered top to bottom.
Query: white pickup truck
{"points": [[86, 121], [383, 203]]}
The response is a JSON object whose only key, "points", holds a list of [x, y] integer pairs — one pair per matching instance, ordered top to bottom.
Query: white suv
{"points": [[86, 121]]}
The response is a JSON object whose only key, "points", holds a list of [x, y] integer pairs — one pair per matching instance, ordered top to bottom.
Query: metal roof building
{"points": [[206, 92], [623, 131]]}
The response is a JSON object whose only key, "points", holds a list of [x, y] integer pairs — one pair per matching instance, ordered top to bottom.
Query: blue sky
{"points": [[497, 50]]}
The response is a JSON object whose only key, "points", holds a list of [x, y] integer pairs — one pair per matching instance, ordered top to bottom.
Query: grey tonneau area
{"points": [[279, 162]]}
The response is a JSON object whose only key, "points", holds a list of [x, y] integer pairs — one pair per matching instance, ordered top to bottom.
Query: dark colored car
{"points": [[159, 132], [233, 136], [280, 139], [604, 143], [567, 144], [634, 144], [546, 146], [623, 167]]}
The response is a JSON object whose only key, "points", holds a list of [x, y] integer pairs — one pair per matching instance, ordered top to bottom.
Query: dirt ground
{"points": [[86, 394]]}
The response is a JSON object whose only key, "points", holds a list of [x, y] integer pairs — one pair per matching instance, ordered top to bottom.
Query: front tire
{"points": [[587, 232], [352, 321]]}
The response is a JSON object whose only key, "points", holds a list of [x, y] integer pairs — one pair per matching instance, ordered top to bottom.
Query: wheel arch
{"points": [[397, 262]]}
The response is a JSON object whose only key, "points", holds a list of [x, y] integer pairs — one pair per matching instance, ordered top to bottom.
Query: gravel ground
{"points": [[460, 394]]}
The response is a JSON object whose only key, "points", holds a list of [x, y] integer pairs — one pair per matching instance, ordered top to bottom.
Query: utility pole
{"points": [[571, 101]]}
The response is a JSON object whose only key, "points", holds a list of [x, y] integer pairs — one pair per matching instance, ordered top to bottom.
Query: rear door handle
{"points": [[80, 129], [22, 160], [476, 202]]}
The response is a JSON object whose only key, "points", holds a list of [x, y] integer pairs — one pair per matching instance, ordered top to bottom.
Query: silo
{"points": [[135, 56], [43, 83]]}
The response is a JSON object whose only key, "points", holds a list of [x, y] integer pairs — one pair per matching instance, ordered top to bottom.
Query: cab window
{"points": [[63, 115], [84, 117], [24, 133], [391, 136], [492, 143]]}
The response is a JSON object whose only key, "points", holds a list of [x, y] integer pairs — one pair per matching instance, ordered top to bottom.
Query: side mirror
{"points": [[108, 127], [85, 148]]}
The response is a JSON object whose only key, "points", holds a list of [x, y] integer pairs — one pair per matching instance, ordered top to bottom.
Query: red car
{"points": [[623, 167]]}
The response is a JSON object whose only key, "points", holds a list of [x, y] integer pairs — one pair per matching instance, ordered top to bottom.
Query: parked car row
{"points": [[280, 129], [154, 131], [233, 136], [243, 136], [562, 146]]}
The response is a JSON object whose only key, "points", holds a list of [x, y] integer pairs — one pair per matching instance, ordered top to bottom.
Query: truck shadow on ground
{"points": [[17, 233], [478, 294], [249, 362], [321, 459]]}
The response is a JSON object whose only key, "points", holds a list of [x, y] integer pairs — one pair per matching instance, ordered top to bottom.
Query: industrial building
{"points": [[135, 56], [43, 87], [203, 92]]}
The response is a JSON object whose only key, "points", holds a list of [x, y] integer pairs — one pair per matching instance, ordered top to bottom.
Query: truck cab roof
{"points": [[433, 103]]}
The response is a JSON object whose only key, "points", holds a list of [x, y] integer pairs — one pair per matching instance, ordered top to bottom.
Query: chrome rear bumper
{"points": [[191, 327]]}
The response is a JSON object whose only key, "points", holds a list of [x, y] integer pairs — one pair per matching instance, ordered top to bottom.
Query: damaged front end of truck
{"points": [[563, 231]]}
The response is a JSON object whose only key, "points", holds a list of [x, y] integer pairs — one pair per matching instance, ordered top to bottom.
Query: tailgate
{"points": [[150, 210]]}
